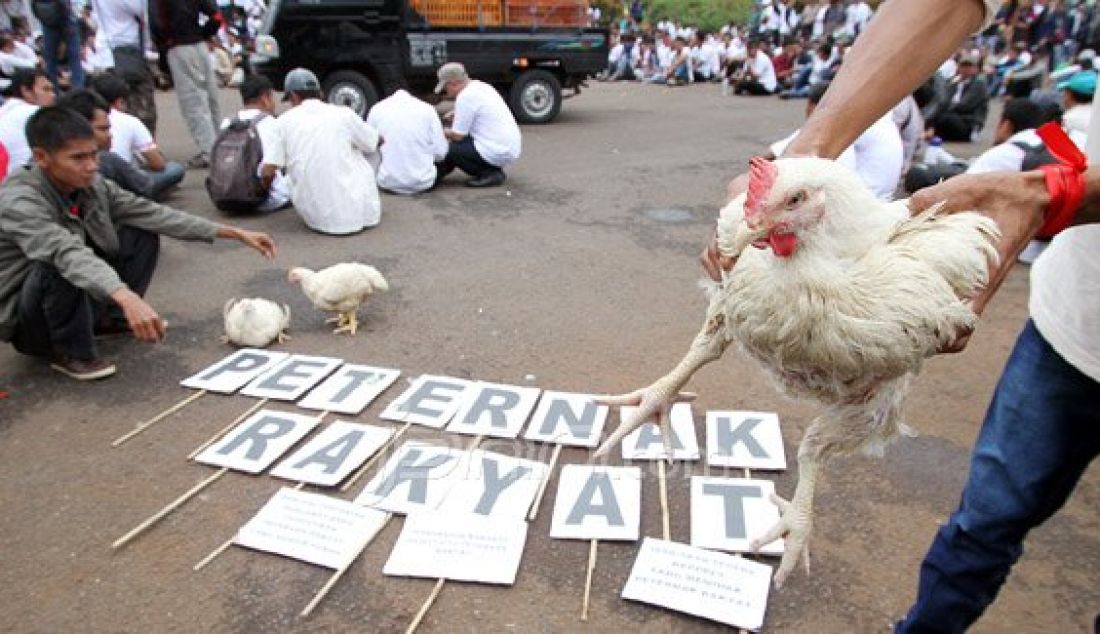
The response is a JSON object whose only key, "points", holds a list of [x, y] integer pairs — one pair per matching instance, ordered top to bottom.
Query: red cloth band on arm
{"points": [[1065, 180]]}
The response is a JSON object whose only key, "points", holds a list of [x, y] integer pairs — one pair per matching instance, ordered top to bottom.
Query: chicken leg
{"points": [[347, 322], [795, 522]]}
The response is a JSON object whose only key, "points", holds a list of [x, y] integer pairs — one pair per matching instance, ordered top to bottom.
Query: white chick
{"points": [[340, 289], [255, 322]]}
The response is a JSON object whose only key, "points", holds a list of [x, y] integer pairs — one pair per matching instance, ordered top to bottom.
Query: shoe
{"points": [[199, 161], [492, 179], [82, 370]]}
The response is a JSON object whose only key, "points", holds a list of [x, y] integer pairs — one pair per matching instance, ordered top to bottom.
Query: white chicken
{"points": [[340, 289], [842, 300], [255, 322]]}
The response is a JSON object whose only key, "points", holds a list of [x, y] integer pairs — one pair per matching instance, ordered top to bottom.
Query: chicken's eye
{"points": [[796, 199]]}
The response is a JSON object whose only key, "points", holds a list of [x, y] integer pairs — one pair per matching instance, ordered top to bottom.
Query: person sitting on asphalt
{"points": [[757, 75], [30, 90], [1077, 92], [258, 99], [965, 113], [484, 137], [131, 140], [414, 143], [321, 146], [113, 167], [78, 251]]}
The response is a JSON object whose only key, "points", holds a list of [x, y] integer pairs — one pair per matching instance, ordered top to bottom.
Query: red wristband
{"points": [[1065, 180]]}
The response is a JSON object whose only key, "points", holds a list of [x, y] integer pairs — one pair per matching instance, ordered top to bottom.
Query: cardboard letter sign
{"points": [[229, 374], [292, 378], [350, 390], [429, 401], [497, 411], [567, 419], [747, 440], [257, 442], [645, 443], [330, 456], [417, 477], [496, 486], [597, 502], [728, 513], [311, 527], [458, 546], [715, 586]]}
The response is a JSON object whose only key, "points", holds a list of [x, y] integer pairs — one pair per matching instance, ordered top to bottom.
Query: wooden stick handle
{"points": [[159, 417], [236, 421], [381, 450], [662, 481], [542, 485], [173, 505], [214, 554], [336, 576], [588, 579], [427, 606]]}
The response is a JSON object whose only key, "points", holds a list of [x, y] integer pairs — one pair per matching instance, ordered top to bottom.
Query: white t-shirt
{"points": [[118, 20], [22, 56], [763, 70], [481, 113], [1077, 119], [13, 122], [129, 136], [413, 142], [322, 147], [1007, 156], [279, 194]]}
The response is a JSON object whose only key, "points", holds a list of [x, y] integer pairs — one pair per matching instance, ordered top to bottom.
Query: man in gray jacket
{"points": [[77, 252]]}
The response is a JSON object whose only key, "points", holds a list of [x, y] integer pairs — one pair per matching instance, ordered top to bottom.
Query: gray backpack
{"points": [[233, 183]]}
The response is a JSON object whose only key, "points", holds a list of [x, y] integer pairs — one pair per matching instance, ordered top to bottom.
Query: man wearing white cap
{"points": [[484, 137], [322, 147]]}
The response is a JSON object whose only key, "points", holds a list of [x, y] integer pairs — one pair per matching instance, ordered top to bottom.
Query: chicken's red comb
{"points": [[762, 175]]}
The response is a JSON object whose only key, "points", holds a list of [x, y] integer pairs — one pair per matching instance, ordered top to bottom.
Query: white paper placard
{"points": [[229, 374], [292, 378], [350, 389], [430, 401], [494, 410], [563, 418], [746, 440], [258, 441], [645, 442], [334, 453], [416, 478], [496, 485], [597, 502], [728, 513], [311, 527], [461, 547], [715, 586]]}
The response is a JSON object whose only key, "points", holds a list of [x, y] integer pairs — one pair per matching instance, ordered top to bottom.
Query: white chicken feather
{"points": [[341, 289], [841, 302], [255, 322]]}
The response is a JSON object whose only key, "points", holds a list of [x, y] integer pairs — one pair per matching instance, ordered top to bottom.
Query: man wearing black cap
{"points": [[484, 137]]}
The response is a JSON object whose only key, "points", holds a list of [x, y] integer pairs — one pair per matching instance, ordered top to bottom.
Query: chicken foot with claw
{"points": [[795, 523]]}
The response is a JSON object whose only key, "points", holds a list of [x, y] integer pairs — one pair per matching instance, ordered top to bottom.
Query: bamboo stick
{"points": [[159, 417], [236, 421], [542, 485], [173, 505], [588, 578], [427, 606]]}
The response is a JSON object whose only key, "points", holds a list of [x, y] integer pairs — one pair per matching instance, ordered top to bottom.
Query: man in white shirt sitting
{"points": [[15, 54], [758, 74], [30, 89], [1077, 94], [258, 100], [483, 134], [131, 140], [414, 143], [322, 147]]}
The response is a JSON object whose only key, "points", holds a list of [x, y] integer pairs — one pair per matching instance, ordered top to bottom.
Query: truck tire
{"points": [[351, 89], [535, 97]]}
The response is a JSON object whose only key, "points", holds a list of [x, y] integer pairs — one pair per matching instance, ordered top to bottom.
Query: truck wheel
{"points": [[351, 89], [535, 97]]}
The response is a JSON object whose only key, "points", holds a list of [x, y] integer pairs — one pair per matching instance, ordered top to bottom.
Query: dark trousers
{"points": [[52, 39], [751, 87], [952, 127], [463, 155], [56, 317]]}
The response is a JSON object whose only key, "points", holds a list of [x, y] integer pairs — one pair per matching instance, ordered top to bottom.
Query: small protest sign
{"points": [[231, 373], [292, 378], [350, 389], [430, 401], [494, 410], [563, 418], [747, 440], [258, 441], [646, 442], [330, 456], [417, 477], [496, 486], [597, 502], [728, 513], [311, 527], [458, 546], [715, 586]]}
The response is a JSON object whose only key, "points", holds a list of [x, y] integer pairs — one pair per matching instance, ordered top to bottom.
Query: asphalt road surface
{"points": [[580, 272]]}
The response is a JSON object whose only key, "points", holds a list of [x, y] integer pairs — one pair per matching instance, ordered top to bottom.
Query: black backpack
{"points": [[233, 183]]}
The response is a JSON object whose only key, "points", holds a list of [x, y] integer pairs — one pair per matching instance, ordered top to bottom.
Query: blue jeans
{"points": [[51, 41], [165, 179], [1041, 431]]}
